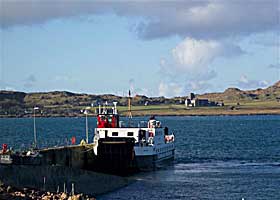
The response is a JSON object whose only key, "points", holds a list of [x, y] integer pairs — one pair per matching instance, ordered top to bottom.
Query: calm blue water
{"points": [[223, 157]]}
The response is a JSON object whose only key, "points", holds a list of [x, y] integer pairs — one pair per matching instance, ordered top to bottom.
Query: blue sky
{"points": [[155, 49]]}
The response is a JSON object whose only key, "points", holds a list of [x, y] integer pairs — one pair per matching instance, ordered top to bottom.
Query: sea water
{"points": [[217, 157]]}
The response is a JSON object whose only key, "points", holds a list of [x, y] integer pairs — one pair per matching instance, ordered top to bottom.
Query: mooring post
{"points": [[44, 186], [73, 189]]}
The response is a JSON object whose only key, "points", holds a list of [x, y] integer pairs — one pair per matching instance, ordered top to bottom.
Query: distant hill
{"points": [[235, 94], [63, 103]]}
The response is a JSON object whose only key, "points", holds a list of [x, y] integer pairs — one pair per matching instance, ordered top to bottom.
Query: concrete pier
{"points": [[75, 156], [62, 165], [86, 182]]}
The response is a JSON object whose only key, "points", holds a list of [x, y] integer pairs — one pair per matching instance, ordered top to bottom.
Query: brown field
{"points": [[230, 108]]}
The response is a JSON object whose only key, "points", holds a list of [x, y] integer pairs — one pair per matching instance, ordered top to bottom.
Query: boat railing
{"points": [[142, 124]]}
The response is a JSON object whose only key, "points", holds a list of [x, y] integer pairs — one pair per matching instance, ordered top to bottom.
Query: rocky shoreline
{"points": [[57, 179], [8, 192]]}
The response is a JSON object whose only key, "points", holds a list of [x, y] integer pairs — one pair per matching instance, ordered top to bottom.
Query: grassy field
{"points": [[230, 108]]}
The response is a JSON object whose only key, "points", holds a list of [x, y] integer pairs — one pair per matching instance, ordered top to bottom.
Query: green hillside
{"points": [[63, 103]]}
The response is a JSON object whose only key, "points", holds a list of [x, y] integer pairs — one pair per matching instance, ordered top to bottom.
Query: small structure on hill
{"points": [[192, 101]]}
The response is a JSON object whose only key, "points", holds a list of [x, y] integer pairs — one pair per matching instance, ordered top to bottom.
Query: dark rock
{"points": [[1, 190]]}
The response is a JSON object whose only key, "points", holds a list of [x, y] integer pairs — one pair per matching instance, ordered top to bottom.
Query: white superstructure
{"points": [[152, 142]]}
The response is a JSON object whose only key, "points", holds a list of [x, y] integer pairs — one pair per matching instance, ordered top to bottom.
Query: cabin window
{"points": [[165, 131], [106, 133], [129, 133], [115, 134], [142, 134]]}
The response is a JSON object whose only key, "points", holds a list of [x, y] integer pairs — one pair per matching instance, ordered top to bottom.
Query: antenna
{"points": [[106, 104], [115, 107], [104, 110]]}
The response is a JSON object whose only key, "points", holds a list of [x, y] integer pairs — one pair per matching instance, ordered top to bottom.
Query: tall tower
{"points": [[192, 96], [129, 105]]}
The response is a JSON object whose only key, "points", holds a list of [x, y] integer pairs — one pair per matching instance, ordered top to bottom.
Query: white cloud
{"points": [[197, 19], [212, 19], [203, 24], [266, 39], [193, 54], [196, 55], [192, 59], [162, 62], [274, 66], [189, 68], [64, 78], [243, 79], [30, 81], [246, 83], [6, 86], [198, 86], [170, 89], [144, 91]]}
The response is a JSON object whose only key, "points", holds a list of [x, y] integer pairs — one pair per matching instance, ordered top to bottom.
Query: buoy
{"points": [[151, 134], [73, 140], [4, 148]]}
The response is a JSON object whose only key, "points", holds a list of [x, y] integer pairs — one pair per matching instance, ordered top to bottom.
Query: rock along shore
{"points": [[56, 179], [12, 193]]}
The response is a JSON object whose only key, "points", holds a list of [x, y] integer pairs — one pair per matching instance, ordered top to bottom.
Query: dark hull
{"points": [[115, 156]]}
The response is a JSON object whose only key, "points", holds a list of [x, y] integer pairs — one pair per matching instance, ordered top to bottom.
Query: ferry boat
{"points": [[122, 148], [5, 157], [8, 157]]}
